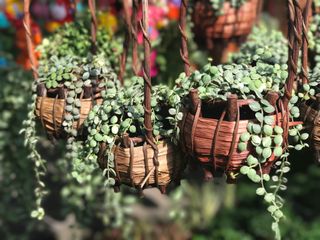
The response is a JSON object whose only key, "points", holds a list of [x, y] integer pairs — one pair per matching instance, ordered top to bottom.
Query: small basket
{"points": [[232, 23], [50, 103], [50, 109], [135, 163]]}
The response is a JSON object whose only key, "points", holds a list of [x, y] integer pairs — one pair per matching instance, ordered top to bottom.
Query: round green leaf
{"points": [[267, 130], [278, 130], [245, 137], [242, 146], [277, 151], [266, 153], [244, 170], [260, 191]]}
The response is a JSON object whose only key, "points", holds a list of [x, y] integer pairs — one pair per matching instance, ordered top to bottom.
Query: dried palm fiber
{"points": [[223, 34], [50, 103], [214, 140], [142, 161]]}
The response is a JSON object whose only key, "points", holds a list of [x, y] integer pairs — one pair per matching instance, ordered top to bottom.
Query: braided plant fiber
{"points": [[234, 22], [50, 105], [213, 139], [143, 161]]}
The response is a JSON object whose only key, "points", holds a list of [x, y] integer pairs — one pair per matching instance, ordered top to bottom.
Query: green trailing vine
{"points": [[74, 39], [263, 46], [66, 62], [31, 140]]}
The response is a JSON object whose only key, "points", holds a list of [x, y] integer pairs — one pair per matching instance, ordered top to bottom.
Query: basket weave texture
{"points": [[234, 22], [51, 112], [215, 141], [135, 165]]}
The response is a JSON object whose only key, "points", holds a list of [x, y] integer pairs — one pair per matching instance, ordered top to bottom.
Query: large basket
{"points": [[232, 23], [214, 140], [139, 166]]}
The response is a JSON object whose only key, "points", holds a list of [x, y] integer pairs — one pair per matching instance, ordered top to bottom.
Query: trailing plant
{"points": [[74, 39], [263, 46], [74, 74], [216, 83], [122, 113], [17, 178]]}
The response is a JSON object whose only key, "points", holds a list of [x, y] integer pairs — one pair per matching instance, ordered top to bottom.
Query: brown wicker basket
{"points": [[232, 23], [50, 103], [51, 109], [212, 136], [214, 140], [143, 161], [135, 163]]}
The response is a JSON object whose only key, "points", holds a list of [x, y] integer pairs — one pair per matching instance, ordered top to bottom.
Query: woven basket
{"points": [[233, 23], [50, 103], [51, 111], [215, 140], [142, 161], [135, 165]]}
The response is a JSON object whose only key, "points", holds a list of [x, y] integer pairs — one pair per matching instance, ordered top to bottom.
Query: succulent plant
{"points": [[74, 39], [263, 46], [253, 82], [122, 112]]}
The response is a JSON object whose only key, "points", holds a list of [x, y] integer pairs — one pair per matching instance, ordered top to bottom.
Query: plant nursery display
{"points": [[150, 130]]}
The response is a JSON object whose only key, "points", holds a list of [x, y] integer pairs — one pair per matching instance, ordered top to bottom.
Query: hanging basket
{"points": [[232, 23], [223, 34], [51, 103], [50, 108], [212, 131], [142, 161], [138, 165]]}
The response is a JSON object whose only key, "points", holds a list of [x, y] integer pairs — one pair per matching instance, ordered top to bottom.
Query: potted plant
{"points": [[223, 25], [72, 75], [238, 118], [131, 132]]}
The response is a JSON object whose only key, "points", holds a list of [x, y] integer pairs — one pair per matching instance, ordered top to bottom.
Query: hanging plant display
{"points": [[72, 76], [238, 118], [131, 133]]}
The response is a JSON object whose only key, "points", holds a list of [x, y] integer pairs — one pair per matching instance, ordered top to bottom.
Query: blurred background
{"points": [[195, 210]]}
